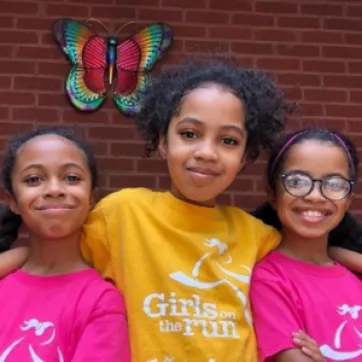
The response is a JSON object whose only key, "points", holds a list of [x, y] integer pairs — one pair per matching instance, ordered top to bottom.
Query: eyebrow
{"points": [[226, 127], [40, 166], [324, 176]]}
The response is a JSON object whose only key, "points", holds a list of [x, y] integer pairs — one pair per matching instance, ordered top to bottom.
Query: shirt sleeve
{"points": [[269, 241], [94, 245], [276, 314], [105, 337]]}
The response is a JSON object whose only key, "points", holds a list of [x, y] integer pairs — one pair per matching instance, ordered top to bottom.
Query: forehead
{"points": [[214, 105], [49, 149], [318, 158]]}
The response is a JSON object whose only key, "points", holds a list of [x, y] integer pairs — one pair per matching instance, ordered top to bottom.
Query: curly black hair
{"points": [[266, 106], [348, 233]]}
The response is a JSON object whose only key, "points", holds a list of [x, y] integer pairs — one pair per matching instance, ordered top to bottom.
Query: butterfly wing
{"points": [[86, 51], [135, 58]]}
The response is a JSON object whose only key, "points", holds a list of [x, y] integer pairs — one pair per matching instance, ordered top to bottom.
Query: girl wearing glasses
{"points": [[310, 177]]}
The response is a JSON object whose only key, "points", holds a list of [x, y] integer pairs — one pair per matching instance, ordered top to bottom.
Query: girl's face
{"points": [[205, 144], [52, 187], [312, 216]]}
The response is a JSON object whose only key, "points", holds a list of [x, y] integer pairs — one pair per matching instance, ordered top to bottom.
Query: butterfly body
{"points": [[127, 64]]}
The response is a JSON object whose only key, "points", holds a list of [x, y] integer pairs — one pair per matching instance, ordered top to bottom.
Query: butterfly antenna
{"points": [[99, 22], [124, 25]]}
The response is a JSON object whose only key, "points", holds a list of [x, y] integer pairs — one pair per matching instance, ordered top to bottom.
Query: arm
{"points": [[268, 242], [13, 259], [350, 259], [276, 317], [105, 337]]}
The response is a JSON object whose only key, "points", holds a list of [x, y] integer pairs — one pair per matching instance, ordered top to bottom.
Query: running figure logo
{"points": [[221, 249]]}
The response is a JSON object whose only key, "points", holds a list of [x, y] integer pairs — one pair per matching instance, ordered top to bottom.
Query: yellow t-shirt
{"points": [[184, 271]]}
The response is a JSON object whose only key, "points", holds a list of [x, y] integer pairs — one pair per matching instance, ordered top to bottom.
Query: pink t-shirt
{"points": [[326, 302], [75, 317]]}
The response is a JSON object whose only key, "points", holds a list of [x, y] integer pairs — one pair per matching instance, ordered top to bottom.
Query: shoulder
{"points": [[268, 269]]}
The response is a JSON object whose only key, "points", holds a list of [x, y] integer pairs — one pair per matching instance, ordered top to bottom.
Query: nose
{"points": [[206, 151], [54, 188], [316, 195]]}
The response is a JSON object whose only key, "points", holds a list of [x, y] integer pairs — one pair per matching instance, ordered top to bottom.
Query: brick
{"points": [[185, 4], [231, 5], [19, 7], [276, 7], [321, 9], [60, 10], [354, 11], [113, 12], [160, 15], [207, 17], [254, 20], [6, 22], [298, 22], [34, 23], [342, 24], [189, 31], [230, 32], [274, 35], [321, 36], [18, 37], [353, 38], [206, 46], [252, 48], [297, 50], [6, 51], [39, 52], [341, 52], [278, 63], [324, 66], [16, 67], [355, 67], [52, 68], [299, 79], [5, 81], [342, 81], [38, 83], [292, 93], [325, 95], [355, 96], [17, 98], [53, 100], [311, 109], [345, 111], [4, 112], [35, 114], [73, 117], [324, 122], [9, 128], [111, 133], [98, 147], [127, 149], [107, 164], [151, 165], [136, 180], [241, 183], [249, 202]]}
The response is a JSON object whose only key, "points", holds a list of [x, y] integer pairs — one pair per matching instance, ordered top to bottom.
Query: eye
{"points": [[188, 134], [230, 141], [72, 178], [33, 180], [297, 181], [336, 184]]}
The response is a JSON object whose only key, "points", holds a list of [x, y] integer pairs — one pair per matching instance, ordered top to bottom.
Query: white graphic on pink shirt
{"points": [[354, 322], [39, 329]]}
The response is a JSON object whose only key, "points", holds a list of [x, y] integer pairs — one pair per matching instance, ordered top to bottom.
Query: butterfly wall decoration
{"points": [[101, 65]]}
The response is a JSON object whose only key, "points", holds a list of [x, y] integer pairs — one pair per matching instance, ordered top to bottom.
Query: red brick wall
{"points": [[313, 48]]}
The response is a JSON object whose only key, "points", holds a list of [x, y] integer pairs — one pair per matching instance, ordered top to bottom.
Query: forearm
{"points": [[347, 258]]}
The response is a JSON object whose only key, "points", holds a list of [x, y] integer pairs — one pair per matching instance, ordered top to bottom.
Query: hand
{"points": [[308, 346]]}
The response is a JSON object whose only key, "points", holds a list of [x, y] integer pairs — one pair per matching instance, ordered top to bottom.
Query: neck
{"points": [[314, 251], [54, 257]]}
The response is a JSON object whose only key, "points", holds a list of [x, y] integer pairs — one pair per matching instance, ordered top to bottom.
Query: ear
{"points": [[163, 147], [93, 198], [10, 199]]}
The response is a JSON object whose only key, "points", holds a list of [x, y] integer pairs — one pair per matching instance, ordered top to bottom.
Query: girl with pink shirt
{"points": [[311, 177], [55, 308]]}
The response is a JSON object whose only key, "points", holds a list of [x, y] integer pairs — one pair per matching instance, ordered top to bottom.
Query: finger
{"points": [[315, 356]]}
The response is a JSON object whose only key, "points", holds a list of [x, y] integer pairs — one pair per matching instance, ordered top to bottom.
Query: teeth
{"points": [[311, 213]]}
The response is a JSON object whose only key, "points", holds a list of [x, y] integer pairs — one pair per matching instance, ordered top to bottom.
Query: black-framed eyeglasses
{"points": [[300, 184]]}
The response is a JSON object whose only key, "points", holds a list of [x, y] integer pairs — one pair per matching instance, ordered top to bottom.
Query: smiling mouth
{"points": [[203, 172], [55, 208]]}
